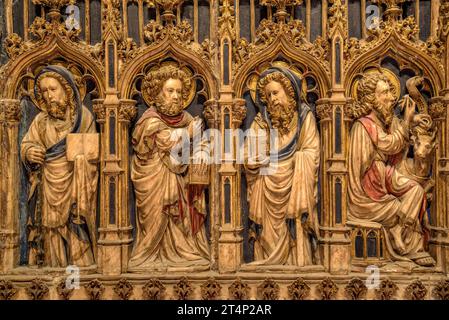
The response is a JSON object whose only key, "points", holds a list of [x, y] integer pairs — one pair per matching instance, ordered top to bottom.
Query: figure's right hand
{"points": [[410, 106], [35, 155]]}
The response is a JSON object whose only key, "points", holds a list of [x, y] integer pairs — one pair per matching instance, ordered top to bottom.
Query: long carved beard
{"points": [[169, 109], [57, 110], [386, 113], [281, 116]]}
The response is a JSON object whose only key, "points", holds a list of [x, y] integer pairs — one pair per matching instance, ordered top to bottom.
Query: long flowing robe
{"points": [[65, 184], [290, 191], [378, 192], [287, 193], [170, 214]]}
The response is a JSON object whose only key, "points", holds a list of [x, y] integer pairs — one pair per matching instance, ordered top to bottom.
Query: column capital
{"points": [[438, 107], [10, 110], [99, 110], [127, 110], [238, 111], [211, 113]]}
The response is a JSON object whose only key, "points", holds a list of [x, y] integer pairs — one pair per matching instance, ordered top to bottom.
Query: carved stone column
{"points": [[211, 113], [10, 114], [115, 231], [335, 238], [439, 241], [230, 243]]}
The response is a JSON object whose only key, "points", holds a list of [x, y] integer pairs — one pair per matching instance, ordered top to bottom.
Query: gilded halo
{"points": [[189, 73], [77, 76], [254, 79], [394, 80]]}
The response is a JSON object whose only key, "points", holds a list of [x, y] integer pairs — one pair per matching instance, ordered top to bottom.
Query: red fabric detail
{"points": [[171, 121], [371, 127], [372, 183], [197, 218]]}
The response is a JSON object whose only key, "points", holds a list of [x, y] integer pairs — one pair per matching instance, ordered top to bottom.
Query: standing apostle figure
{"points": [[62, 192], [283, 200], [170, 212]]}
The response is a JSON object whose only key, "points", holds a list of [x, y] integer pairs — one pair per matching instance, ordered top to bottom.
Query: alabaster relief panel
{"points": [[253, 154]]}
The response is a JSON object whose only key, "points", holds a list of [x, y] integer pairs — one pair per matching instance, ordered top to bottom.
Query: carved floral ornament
{"points": [[42, 30], [293, 31], [403, 31]]}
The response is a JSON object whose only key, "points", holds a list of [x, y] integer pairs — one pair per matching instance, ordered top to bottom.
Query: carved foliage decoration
{"points": [[54, 4], [337, 17], [226, 21], [42, 30], [403, 30], [293, 31], [11, 110], [127, 110], [437, 110], [324, 111], [94, 289], [124, 289], [183, 289], [327, 289], [356, 289], [7, 290], [37, 290], [153, 290], [210, 290], [239, 290], [268, 290], [298, 290], [387, 290], [416, 290], [441, 290], [64, 292]]}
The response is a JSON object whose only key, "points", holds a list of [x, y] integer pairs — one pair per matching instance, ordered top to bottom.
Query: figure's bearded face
{"points": [[55, 98], [169, 101], [384, 102], [280, 106]]}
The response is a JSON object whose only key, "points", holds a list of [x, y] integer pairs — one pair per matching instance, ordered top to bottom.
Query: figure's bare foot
{"points": [[400, 246], [425, 261]]}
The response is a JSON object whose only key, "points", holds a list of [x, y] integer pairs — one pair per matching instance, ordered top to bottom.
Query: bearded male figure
{"points": [[378, 191], [62, 192], [282, 203], [170, 213]]}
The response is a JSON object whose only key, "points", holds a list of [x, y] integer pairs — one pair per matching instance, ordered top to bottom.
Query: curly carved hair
{"points": [[280, 78], [154, 81], [366, 93], [70, 95]]}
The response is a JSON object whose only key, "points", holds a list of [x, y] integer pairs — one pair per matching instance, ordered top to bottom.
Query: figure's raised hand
{"points": [[409, 106], [35, 155]]}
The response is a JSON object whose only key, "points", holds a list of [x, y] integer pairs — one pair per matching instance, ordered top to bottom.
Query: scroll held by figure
{"points": [[60, 153], [282, 174], [385, 186], [171, 211]]}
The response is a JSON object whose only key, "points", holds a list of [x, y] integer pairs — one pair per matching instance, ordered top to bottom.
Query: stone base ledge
{"points": [[212, 285]]}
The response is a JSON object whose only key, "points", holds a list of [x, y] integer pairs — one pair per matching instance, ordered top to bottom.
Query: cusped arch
{"points": [[282, 46], [53, 47], [167, 48], [396, 48]]}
